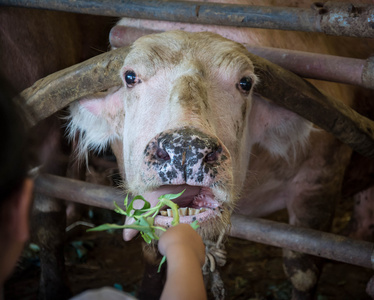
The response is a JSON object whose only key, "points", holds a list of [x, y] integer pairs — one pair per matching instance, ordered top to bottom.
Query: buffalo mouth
{"points": [[197, 203], [200, 207]]}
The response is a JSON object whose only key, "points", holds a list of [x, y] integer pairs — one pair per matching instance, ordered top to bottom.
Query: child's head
{"points": [[13, 148], [15, 188]]}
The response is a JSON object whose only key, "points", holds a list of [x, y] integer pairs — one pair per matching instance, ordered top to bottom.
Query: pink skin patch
{"points": [[104, 103], [193, 197], [205, 199]]}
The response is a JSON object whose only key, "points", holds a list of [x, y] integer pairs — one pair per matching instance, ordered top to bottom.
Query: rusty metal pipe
{"points": [[332, 17], [346, 70], [79, 191], [272, 233], [304, 240]]}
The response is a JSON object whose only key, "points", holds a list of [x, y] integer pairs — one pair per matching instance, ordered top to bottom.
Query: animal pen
{"points": [[295, 94]]}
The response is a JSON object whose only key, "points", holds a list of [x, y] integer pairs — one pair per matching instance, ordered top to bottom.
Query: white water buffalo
{"points": [[186, 117], [277, 160]]}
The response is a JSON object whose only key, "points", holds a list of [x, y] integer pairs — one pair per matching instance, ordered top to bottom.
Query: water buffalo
{"points": [[186, 117], [202, 127], [307, 175]]}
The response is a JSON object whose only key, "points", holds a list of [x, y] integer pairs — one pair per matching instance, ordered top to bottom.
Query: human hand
{"points": [[182, 236]]}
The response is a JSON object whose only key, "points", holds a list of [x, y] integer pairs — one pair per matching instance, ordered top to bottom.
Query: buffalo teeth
{"points": [[184, 211], [192, 211]]}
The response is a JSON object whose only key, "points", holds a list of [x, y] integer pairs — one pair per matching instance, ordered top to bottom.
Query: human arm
{"points": [[185, 252]]}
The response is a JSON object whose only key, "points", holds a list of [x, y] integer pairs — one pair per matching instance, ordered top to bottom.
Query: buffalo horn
{"points": [[52, 93], [298, 95]]}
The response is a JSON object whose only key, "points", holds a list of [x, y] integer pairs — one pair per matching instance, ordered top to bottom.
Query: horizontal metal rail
{"points": [[331, 18], [332, 68], [79, 191], [306, 240], [327, 245]]}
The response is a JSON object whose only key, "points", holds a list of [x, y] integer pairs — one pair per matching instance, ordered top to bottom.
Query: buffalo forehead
{"points": [[158, 51]]}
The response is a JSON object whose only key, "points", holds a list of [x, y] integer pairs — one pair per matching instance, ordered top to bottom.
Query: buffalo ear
{"points": [[97, 120], [280, 131]]}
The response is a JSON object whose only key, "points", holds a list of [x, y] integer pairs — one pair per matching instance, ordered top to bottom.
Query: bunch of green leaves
{"points": [[144, 217]]}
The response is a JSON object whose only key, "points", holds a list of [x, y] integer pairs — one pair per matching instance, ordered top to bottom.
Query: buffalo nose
{"points": [[189, 143], [185, 154], [212, 155]]}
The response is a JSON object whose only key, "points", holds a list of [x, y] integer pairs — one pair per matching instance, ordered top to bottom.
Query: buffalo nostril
{"points": [[162, 154], [212, 156]]}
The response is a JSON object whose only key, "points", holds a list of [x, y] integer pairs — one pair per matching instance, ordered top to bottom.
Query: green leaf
{"points": [[171, 196], [166, 200], [126, 201], [146, 204], [174, 207], [118, 210], [131, 211], [144, 217], [175, 217], [147, 222], [194, 225], [116, 226], [107, 227], [147, 229], [147, 238], [161, 263]]}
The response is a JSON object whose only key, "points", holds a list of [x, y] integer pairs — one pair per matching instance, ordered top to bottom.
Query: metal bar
{"points": [[331, 18], [320, 66], [79, 191], [272, 233], [304, 240]]}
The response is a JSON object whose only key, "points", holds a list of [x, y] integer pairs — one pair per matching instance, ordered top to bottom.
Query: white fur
{"points": [[94, 132], [288, 133]]}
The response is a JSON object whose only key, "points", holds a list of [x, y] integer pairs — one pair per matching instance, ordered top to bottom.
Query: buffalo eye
{"points": [[131, 78], [245, 84]]}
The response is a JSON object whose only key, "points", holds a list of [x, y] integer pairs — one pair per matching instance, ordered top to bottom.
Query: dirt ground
{"points": [[253, 271]]}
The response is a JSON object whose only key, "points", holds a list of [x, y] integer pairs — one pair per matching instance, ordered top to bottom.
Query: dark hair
{"points": [[13, 166]]}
